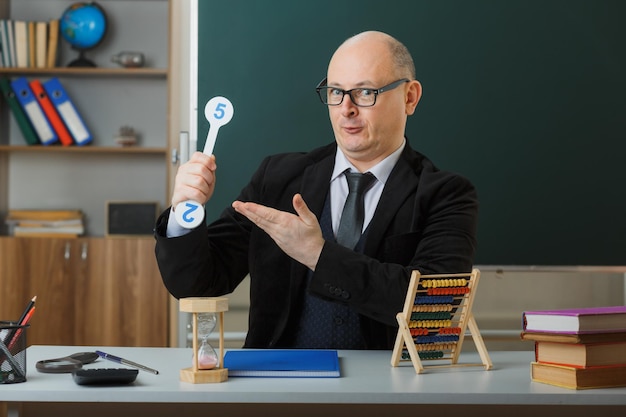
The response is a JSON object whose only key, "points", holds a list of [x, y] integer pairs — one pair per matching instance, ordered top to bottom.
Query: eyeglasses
{"points": [[362, 97]]}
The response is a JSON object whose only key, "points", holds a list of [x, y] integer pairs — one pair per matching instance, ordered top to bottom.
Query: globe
{"points": [[83, 26]]}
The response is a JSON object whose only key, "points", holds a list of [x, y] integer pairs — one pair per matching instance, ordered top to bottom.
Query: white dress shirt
{"points": [[339, 185]]}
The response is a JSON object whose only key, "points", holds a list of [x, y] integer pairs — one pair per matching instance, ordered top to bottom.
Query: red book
{"points": [[51, 113]]}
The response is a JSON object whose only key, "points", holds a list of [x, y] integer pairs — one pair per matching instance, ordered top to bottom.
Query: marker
{"points": [[218, 112], [126, 362]]}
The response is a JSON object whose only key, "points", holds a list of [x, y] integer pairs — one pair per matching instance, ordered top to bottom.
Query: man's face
{"points": [[368, 134]]}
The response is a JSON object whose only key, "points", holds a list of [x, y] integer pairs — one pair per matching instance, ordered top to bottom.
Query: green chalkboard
{"points": [[527, 98]]}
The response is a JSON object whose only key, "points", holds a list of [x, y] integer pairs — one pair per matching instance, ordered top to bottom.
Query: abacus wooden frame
{"points": [[465, 320]]}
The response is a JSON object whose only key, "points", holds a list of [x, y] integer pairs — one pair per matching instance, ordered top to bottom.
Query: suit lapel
{"points": [[316, 183], [400, 186]]}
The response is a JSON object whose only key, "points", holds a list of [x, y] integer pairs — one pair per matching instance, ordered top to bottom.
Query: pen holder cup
{"points": [[12, 352]]}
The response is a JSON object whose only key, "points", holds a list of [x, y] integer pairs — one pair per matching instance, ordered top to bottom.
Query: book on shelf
{"points": [[8, 29], [20, 33], [53, 40], [4, 41], [31, 44], [40, 46], [33, 110], [51, 113], [30, 136], [43, 214], [46, 223], [47, 231], [576, 320], [581, 355], [286, 363], [578, 378]]}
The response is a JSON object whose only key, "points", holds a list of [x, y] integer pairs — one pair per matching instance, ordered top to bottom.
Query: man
{"points": [[307, 290]]}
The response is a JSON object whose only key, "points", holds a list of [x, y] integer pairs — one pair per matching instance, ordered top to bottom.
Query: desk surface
{"points": [[367, 378]]}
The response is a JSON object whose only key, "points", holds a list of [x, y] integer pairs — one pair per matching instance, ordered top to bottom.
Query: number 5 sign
{"points": [[218, 111]]}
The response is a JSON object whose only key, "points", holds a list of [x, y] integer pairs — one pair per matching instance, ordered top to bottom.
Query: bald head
{"points": [[396, 55]]}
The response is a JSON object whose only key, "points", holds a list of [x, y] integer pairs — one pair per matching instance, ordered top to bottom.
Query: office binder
{"points": [[34, 111], [67, 111], [51, 113], [30, 136]]}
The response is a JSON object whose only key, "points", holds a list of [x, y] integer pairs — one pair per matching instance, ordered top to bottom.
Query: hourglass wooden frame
{"points": [[196, 305], [437, 313]]}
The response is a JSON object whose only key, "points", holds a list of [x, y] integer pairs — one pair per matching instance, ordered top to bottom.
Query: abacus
{"points": [[437, 313]]}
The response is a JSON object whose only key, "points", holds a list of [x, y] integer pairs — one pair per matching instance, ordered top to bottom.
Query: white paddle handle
{"points": [[218, 112]]}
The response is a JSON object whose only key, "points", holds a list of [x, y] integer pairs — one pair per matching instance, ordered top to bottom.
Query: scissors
{"points": [[66, 364]]}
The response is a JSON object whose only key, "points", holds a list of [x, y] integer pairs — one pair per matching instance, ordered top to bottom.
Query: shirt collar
{"points": [[381, 171]]}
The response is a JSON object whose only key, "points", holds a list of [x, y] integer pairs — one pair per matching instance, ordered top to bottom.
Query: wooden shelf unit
{"points": [[93, 290]]}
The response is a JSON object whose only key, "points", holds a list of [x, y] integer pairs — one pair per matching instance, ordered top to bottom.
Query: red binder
{"points": [[51, 113]]}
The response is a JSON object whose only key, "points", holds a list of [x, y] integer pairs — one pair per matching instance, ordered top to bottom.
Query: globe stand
{"points": [[82, 60], [196, 305]]}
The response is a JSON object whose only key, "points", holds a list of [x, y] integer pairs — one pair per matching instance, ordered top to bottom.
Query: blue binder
{"points": [[66, 109], [33, 110]]}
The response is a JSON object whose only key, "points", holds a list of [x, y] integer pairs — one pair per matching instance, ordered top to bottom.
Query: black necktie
{"points": [[351, 223]]}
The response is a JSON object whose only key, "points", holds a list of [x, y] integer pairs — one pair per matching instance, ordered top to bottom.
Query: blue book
{"points": [[66, 109], [33, 110], [285, 363]]}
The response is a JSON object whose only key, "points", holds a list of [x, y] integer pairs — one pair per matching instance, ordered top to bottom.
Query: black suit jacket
{"points": [[426, 220]]}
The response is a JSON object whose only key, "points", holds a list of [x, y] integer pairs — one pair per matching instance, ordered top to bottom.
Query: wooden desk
{"points": [[369, 386]]}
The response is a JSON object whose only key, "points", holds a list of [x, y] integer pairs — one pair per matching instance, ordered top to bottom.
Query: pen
{"points": [[110, 357]]}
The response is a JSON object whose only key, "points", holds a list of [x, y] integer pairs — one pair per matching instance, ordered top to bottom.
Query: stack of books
{"points": [[28, 44], [45, 223], [579, 348]]}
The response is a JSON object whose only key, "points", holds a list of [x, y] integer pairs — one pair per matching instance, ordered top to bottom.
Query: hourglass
{"points": [[207, 358], [207, 364]]}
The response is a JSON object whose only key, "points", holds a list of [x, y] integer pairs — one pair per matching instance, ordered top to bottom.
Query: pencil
{"points": [[28, 308], [18, 332]]}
